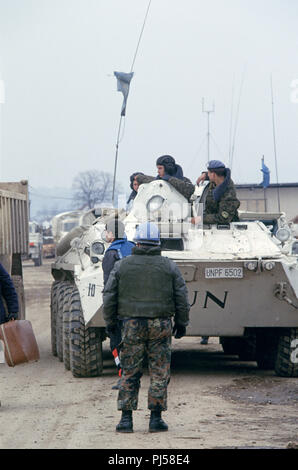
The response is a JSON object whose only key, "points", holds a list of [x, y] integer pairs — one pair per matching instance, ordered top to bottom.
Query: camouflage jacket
{"points": [[184, 187], [224, 210]]}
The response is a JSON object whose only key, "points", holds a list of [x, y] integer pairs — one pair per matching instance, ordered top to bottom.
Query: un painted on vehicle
{"points": [[209, 295]]}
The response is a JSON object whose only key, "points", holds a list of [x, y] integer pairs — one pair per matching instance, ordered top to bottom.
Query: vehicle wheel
{"points": [[54, 293], [63, 295], [66, 326], [266, 341], [85, 343], [287, 353]]}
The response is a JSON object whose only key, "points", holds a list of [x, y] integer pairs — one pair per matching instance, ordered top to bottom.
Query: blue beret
{"points": [[215, 165]]}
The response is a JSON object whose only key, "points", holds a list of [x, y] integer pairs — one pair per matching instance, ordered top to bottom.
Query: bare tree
{"points": [[92, 187]]}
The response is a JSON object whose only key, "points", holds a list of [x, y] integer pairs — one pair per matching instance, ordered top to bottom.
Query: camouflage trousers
{"points": [[143, 336]]}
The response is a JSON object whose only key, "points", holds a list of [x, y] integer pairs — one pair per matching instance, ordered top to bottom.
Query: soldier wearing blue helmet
{"points": [[221, 206], [145, 290]]}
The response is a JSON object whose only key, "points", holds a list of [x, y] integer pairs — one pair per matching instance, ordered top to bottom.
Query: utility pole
{"points": [[208, 111]]}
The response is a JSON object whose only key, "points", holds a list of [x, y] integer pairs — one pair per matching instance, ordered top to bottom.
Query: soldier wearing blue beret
{"points": [[221, 206]]}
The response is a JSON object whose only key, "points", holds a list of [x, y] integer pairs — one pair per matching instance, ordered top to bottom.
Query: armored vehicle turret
{"points": [[242, 280]]}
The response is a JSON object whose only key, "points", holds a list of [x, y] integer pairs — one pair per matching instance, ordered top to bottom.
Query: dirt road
{"points": [[215, 401]]}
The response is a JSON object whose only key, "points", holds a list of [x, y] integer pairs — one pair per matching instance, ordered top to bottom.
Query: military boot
{"points": [[125, 423], [156, 423]]}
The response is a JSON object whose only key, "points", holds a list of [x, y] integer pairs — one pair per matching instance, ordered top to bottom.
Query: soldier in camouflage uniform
{"points": [[168, 170], [221, 202], [145, 290]]}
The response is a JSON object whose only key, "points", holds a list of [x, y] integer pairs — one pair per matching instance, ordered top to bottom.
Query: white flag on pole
{"points": [[123, 82]]}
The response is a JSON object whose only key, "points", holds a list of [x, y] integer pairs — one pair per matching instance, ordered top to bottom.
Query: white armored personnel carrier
{"points": [[242, 280]]}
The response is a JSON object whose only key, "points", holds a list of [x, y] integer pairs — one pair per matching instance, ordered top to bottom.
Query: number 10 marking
{"points": [[91, 290]]}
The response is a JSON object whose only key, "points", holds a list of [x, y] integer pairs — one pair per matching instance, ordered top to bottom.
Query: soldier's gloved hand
{"points": [[12, 316], [179, 331]]}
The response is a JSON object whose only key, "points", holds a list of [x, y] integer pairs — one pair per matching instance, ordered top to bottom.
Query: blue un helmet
{"points": [[147, 234]]}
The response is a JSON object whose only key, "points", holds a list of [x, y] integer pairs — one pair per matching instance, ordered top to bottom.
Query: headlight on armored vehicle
{"points": [[155, 203], [283, 234], [97, 248], [251, 265], [268, 265]]}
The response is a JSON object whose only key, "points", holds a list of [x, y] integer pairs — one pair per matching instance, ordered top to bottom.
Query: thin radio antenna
{"points": [[208, 111], [121, 117], [274, 143]]}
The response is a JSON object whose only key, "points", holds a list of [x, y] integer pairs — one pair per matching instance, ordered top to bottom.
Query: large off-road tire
{"points": [[54, 294], [62, 297], [68, 298], [267, 342], [85, 343], [286, 364]]}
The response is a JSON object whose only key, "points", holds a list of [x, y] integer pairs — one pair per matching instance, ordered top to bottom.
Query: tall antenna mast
{"points": [[208, 111], [120, 122], [274, 144]]}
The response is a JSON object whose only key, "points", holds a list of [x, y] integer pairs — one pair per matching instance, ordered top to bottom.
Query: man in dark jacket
{"points": [[168, 170], [221, 202], [119, 248], [145, 290], [8, 293]]}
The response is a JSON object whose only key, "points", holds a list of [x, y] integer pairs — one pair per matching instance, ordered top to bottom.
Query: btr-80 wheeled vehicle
{"points": [[242, 280]]}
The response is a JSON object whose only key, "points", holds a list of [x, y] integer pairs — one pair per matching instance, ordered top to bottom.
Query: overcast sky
{"points": [[62, 109]]}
